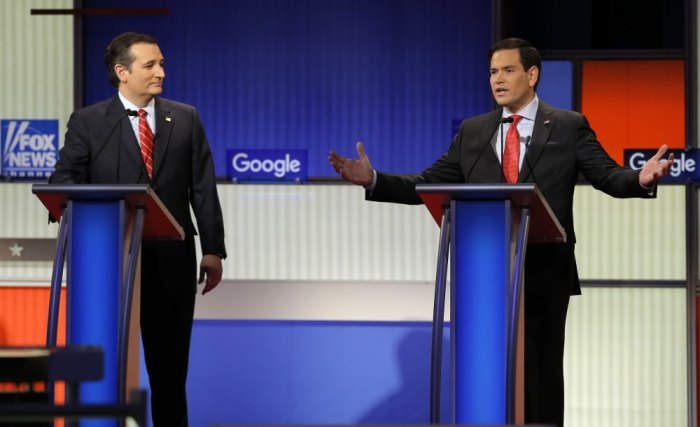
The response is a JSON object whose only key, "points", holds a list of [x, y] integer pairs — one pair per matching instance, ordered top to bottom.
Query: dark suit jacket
{"points": [[563, 146], [101, 148]]}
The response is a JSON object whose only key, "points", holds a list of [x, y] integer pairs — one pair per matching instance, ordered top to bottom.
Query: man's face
{"points": [[144, 79], [512, 86]]}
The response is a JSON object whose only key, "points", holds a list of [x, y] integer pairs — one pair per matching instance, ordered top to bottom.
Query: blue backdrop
{"points": [[315, 74], [557, 86], [245, 372]]}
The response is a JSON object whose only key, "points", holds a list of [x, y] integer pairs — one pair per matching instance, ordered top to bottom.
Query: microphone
{"points": [[127, 112], [130, 113], [508, 119], [488, 143], [477, 160], [530, 170]]}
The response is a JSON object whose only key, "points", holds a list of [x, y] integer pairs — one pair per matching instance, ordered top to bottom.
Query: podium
{"points": [[484, 233], [99, 239]]}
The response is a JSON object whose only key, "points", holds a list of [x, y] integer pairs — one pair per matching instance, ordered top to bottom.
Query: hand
{"points": [[656, 168], [358, 171], [212, 268]]}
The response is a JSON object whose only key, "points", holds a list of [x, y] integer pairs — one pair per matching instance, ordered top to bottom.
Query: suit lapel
{"points": [[544, 122], [164, 127]]}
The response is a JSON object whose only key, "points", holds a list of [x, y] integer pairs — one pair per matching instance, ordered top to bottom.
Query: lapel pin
{"points": [[168, 119], [546, 122]]}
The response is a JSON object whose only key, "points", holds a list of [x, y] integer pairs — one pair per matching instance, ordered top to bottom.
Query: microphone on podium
{"points": [[127, 112], [488, 143], [530, 170]]}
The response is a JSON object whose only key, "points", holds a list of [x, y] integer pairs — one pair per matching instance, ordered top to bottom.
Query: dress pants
{"points": [[545, 324], [166, 329]]}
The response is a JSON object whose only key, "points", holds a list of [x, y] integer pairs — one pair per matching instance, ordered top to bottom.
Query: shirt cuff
{"points": [[374, 181]]}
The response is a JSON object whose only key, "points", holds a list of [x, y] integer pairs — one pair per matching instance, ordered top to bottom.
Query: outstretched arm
{"points": [[655, 168], [357, 171]]}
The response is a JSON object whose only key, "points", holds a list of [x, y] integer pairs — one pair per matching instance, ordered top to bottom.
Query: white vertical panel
{"points": [[37, 61], [36, 83], [23, 216], [294, 232], [324, 232], [329, 232], [626, 239], [625, 362]]}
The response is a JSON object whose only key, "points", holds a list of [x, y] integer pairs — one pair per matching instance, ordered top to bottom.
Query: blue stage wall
{"points": [[315, 74], [557, 84], [303, 372]]}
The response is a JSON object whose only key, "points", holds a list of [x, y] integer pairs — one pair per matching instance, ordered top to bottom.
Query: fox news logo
{"points": [[29, 147], [267, 165]]}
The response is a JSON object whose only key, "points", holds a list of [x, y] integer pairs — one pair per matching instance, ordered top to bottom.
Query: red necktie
{"points": [[146, 139], [511, 155]]}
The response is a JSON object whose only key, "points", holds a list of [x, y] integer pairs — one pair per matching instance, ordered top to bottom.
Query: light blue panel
{"points": [[556, 84], [480, 260], [94, 274], [295, 372]]}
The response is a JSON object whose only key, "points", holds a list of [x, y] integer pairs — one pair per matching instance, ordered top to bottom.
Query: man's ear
{"points": [[121, 72], [533, 75]]}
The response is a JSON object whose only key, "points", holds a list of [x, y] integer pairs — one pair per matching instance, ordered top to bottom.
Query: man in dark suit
{"points": [[552, 147], [167, 149]]}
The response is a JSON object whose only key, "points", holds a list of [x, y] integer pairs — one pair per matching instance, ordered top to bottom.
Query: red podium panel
{"points": [[159, 223], [544, 226]]}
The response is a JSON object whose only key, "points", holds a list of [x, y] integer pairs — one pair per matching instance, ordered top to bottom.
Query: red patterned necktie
{"points": [[146, 139], [511, 155]]}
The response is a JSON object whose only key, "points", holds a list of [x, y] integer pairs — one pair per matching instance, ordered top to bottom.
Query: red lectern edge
{"points": [[437, 201], [159, 223]]}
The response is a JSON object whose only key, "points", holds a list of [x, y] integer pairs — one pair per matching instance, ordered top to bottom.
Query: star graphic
{"points": [[16, 250]]}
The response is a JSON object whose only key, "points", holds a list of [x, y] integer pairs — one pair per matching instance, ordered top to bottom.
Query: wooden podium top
{"points": [[158, 222], [544, 225]]}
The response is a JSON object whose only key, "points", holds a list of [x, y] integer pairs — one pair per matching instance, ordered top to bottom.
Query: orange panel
{"points": [[635, 103], [23, 316], [23, 321]]}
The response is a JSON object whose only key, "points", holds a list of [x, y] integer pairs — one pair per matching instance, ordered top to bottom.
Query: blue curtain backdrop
{"points": [[315, 74]]}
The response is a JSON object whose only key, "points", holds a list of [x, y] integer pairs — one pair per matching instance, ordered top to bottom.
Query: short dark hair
{"points": [[119, 52], [529, 56]]}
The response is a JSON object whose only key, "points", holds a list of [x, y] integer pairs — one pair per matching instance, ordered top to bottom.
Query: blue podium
{"points": [[484, 233], [99, 239]]}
